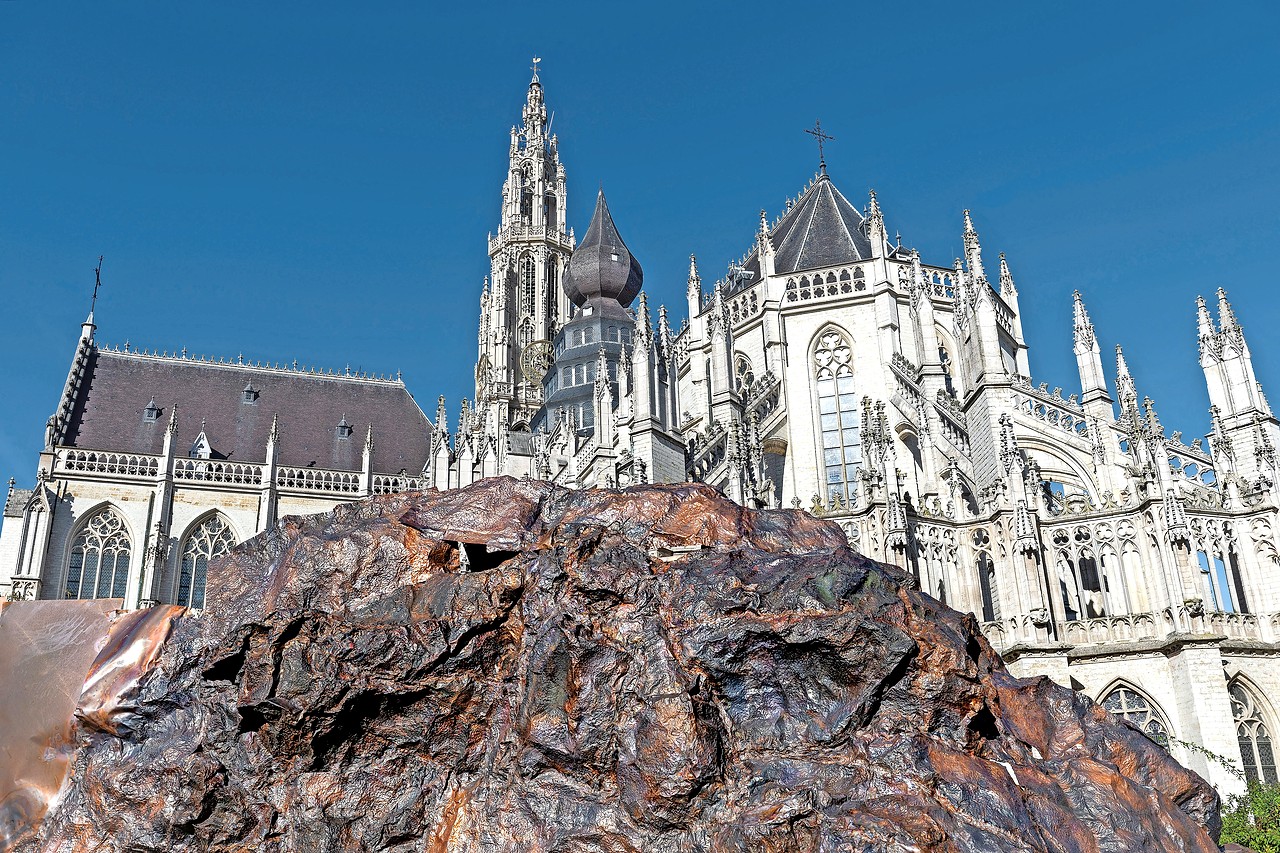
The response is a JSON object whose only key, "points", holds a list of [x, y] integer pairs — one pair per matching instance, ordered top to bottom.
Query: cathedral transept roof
{"points": [[821, 229], [126, 399]]}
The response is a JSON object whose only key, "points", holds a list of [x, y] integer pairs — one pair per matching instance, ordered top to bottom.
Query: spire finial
{"points": [[534, 66], [816, 133], [1006, 278], [97, 282], [1226, 317], [1204, 322], [1083, 325], [1122, 366]]}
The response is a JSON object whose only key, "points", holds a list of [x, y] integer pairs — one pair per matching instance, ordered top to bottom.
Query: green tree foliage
{"points": [[1252, 819]]}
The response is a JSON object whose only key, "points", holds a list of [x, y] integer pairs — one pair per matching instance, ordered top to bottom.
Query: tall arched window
{"points": [[526, 199], [528, 286], [553, 287], [525, 333], [744, 376], [838, 412], [210, 539], [99, 565], [1134, 708], [1255, 742]]}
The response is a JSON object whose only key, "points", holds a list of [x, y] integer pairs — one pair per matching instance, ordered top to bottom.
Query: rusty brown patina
{"points": [[517, 667]]}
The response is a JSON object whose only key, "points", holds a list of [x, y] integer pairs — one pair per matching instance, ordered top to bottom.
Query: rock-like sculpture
{"points": [[516, 667]]}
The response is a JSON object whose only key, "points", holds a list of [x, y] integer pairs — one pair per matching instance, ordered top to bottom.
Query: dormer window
{"points": [[249, 395], [151, 413], [344, 429]]}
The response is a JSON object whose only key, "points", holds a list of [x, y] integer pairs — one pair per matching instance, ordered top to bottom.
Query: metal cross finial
{"points": [[536, 60], [816, 133], [97, 282]]}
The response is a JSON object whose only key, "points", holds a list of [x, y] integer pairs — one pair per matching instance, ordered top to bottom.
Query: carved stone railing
{"points": [[530, 232], [825, 284], [763, 395], [1050, 407], [113, 464], [218, 472], [317, 480], [388, 484], [1131, 628]]}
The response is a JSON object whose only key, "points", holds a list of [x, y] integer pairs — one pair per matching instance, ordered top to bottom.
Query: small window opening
{"points": [[249, 394], [151, 413], [344, 429]]}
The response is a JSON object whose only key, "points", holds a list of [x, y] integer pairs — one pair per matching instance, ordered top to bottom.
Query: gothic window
{"points": [[526, 199], [549, 210], [528, 286], [553, 287], [525, 335], [743, 375], [838, 414], [211, 539], [99, 565], [986, 576], [1217, 588], [1134, 708], [1255, 741]]}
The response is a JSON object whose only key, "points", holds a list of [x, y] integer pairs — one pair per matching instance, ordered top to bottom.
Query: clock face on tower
{"points": [[535, 361]]}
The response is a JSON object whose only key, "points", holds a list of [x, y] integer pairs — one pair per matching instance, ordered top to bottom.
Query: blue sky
{"points": [[315, 181]]}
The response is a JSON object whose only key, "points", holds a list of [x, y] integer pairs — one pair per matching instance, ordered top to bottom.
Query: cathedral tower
{"points": [[522, 304]]}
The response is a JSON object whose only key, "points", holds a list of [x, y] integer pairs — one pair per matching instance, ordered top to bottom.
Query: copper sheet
{"points": [[46, 647]]}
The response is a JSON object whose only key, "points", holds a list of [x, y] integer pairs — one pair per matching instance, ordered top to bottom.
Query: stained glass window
{"points": [[839, 417], [210, 540], [99, 566], [1134, 708], [1255, 741]]}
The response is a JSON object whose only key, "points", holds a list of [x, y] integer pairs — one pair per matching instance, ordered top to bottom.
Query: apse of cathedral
{"points": [[830, 370]]}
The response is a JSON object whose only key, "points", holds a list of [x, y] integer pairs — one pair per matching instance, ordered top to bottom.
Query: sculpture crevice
{"points": [[648, 669]]}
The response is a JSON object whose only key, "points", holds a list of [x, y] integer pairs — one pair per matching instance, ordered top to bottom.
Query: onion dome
{"points": [[601, 267]]}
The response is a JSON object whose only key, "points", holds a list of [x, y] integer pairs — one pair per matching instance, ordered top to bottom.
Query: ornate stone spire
{"points": [[973, 249], [1007, 287], [1226, 317], [1204, 322], [1084, 335]]}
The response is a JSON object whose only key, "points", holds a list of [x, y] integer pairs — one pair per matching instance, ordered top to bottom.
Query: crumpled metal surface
{"points": [[46, 647], [517, 667]]}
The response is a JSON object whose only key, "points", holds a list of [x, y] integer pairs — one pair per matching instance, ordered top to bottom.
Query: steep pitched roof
{"points": [[822, 229], [109, 412]]}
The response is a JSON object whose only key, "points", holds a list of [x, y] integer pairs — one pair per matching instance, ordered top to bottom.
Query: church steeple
{"points": [[528, 256]]}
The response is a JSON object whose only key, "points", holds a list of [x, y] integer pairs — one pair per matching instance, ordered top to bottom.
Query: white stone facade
{"points": [[835, 371]]}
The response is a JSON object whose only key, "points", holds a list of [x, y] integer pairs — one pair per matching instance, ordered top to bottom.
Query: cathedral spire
{"points": [[972, 249], [1007, 287], [1226, 317], [1204, 322], [1084, 335], [1093, 383]]}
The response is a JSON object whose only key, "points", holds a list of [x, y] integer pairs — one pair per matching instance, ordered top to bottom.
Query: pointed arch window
{"points": [[528, 285], [553, 287], [525, 332], [744, 376], [838, 416], [211, 539], [99, 565], [1134, 708], [1256, 753]]}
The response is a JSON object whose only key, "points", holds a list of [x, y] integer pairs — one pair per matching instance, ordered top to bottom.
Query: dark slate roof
{"points": [[822, 229], [601, 267], [109, 413], [16, 502]]}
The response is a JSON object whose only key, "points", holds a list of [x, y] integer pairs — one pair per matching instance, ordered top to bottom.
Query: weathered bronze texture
{"points": [[517, 667]]}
